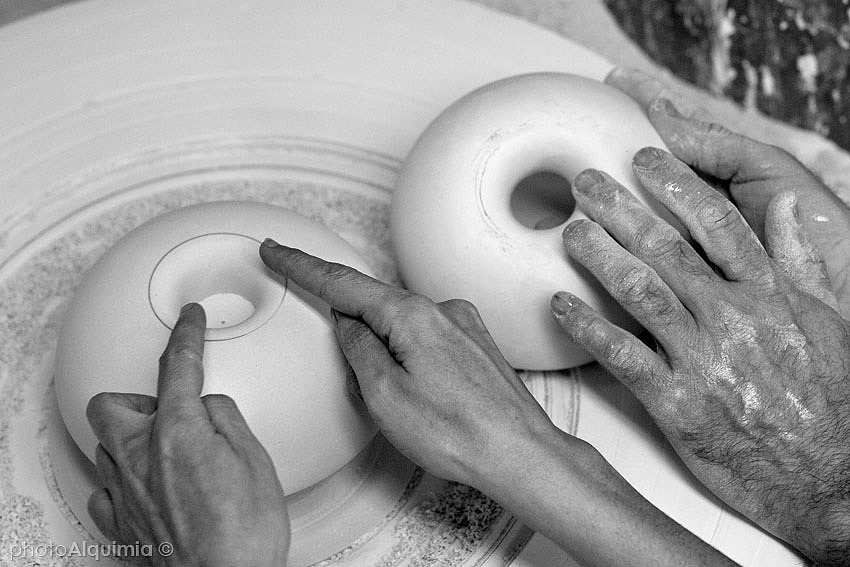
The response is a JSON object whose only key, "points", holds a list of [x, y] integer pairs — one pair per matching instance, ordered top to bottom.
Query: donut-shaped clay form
{"points": [[456, 233], [269, 345]]}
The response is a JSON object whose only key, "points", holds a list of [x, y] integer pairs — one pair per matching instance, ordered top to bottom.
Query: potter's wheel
{"points": [[112, 112], [380, 509]]}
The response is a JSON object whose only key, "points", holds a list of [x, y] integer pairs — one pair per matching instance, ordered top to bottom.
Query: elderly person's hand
{"points": [[751, 174], [750, 380], [442, 393], [185, 470]]}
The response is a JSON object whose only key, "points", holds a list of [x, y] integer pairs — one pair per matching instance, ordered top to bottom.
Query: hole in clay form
{"points": [[542, 200], [224, 273], [226, 309]]}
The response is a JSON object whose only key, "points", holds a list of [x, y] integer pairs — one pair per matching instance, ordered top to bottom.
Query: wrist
{"points": [[523, 457], [564, 488]]}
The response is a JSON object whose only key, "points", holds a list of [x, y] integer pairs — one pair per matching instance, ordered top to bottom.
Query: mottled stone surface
{"points": [[787, 58]]}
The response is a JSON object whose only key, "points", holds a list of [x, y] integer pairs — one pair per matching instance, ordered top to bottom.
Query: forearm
{"points": [[563, 488]]}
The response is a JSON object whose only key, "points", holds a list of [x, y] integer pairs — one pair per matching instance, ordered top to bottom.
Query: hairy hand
{"points": [[750, 173], [429, 373], [750, 381], [444, 395], [185, 470]]}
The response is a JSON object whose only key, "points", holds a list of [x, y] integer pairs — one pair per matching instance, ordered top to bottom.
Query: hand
{"points": [[751, 174], [429, 373], [751, 379], [443, 394], [186, 470]]}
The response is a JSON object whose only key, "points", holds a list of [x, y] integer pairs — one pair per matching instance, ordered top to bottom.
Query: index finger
{"points": [[342, 287], [181, 371]]}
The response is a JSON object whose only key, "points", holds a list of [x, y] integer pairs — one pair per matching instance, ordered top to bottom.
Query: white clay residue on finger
{"points": [[791, 247]]}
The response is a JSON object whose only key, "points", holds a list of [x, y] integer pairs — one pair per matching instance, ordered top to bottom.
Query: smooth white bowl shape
{"points": [[484, 195], [269, 345]]}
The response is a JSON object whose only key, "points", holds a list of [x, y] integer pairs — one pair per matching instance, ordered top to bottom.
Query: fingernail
{"points": [[617, 73], [626, 74], [666, 106], [648, 158], [587, 180], [795, 208], [572, 227], [269, 243], [562, 302], [188, 307], [354, 384]]}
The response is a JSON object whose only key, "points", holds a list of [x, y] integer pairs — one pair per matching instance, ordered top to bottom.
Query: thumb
{"points": [[790, 246], [366, 353], [115, 416]]}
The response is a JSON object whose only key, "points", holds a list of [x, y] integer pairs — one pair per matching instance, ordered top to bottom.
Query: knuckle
{"points": [[717, 129], [715, 214], [657, 241], [333, 270], [331, 273], [636, 285], [640, 286], [410, 306], [406, 313], [669, 313], [594, 332], [358, 339], [620, 352], [174, 357], [219, 400], [97, 404], [173, 437]]}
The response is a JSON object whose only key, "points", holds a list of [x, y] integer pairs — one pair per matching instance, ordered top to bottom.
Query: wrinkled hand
{"points": [[750, 173], [430, 374], [751, 378], [185, 470]]}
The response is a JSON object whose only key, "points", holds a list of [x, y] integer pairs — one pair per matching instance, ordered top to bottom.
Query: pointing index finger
{"points": [[342, 287], [181, 371]]}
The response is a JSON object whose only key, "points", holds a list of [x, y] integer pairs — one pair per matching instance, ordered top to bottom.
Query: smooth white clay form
{"points": [[461, 230], [269, 345]]}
